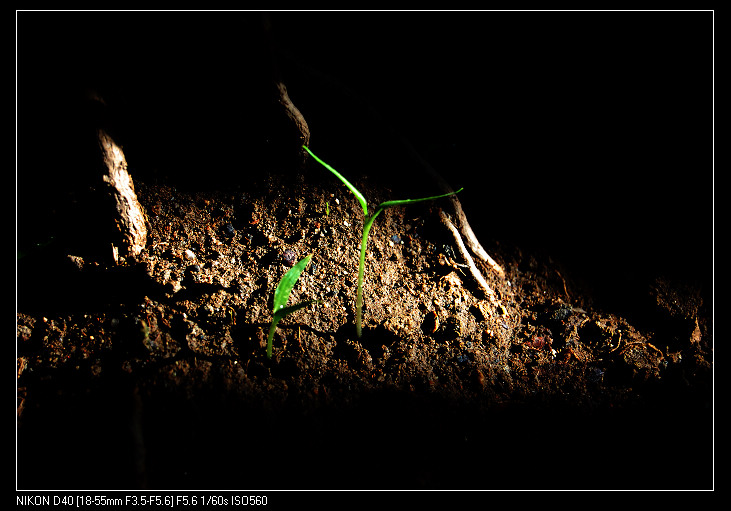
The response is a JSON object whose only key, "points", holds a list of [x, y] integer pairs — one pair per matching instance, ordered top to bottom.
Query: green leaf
{"points": [[347, 183], [404, 202], [284, 289], [281, 296], [292, 308]]}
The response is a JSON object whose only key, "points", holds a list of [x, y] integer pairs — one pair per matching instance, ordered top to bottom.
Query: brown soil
{"points": [[152, 373], [171, 386]]}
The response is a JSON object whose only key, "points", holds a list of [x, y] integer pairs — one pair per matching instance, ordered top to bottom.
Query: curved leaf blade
{"points": [[347, 183], [404, 202], [284, 289], [281, 296], [285, 311]]}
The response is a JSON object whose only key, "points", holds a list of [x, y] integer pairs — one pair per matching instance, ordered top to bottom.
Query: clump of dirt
{"points": [[152, 372]]}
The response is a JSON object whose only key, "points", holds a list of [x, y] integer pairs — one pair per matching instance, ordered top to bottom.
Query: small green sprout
{"points": [[368, 222], [281, 296]]}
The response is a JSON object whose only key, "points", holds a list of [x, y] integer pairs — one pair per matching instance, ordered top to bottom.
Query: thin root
{"points": [[464, 225], [472, 241], [466, 255]]}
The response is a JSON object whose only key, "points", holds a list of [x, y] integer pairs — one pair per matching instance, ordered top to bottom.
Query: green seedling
{"points": [[368, 222], [281, 297]]}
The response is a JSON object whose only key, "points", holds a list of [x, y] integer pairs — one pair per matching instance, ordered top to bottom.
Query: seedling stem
{"points": [[367, 224]]}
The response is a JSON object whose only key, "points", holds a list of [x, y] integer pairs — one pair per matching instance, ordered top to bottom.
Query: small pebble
{"points": [[228, 230], [189, 255], [289, 257], [462, 358]]}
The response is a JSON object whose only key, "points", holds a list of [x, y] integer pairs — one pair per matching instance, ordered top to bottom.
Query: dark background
{"points": [[586, 135]]}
